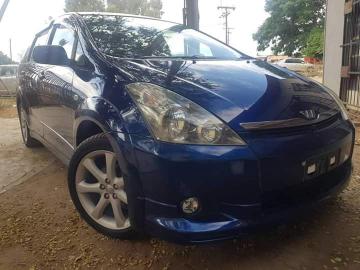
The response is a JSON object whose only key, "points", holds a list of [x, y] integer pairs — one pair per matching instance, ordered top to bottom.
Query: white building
{"points": [[342, 49]]}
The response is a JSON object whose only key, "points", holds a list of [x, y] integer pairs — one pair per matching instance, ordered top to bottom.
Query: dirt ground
{"points": [[17, 163], [40, 229]]}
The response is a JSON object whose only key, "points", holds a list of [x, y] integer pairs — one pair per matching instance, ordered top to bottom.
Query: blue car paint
{"points": [[236, 180], [235, 184]]}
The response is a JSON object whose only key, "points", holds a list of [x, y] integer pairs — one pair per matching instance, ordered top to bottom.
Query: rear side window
{"points": [[65, 38]]}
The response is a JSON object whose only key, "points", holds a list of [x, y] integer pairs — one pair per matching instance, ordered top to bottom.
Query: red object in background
{"points": [[312, 60]]}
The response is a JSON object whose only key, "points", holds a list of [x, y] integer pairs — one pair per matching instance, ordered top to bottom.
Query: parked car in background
{"points": [[295, 64], [8, 80], [171, 132]]}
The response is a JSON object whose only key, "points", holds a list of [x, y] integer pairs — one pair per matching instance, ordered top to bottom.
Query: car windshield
{"points": [[132, 37]]}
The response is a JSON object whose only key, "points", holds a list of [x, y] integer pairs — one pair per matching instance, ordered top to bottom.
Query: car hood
{"points": [[239, 91]]}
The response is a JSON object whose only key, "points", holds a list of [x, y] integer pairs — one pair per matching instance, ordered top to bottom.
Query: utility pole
{"points": [[3, 8], [226, 12], [191, 15], [228, 35], [10, 49]]}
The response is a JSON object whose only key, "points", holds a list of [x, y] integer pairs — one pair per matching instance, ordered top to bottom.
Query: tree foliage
{"points": [[84, 5], [150, 8], [290, 26], [109, 32], [315, 43], [5, 60]]}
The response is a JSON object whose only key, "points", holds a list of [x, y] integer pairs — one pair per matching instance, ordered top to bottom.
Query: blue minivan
{"points": [[170, 132]]}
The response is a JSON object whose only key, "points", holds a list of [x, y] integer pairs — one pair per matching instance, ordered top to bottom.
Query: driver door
{"points": [[57, 117]]}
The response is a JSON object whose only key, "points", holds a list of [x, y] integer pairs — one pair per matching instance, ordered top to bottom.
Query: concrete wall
{"points": [[333, 41]]}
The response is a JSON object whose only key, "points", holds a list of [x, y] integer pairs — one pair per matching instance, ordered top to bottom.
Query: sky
{"points": [[24, 18]]}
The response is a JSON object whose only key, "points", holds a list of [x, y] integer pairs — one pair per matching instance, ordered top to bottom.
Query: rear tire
{"points": [[29, 141], [98, 189]]}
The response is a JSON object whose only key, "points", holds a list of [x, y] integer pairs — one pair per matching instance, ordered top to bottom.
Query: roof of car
{"points": [[119, 14], [294, 58]]}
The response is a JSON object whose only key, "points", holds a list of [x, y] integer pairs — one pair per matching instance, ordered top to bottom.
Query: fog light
{"points": [[311, 169], [190, 205]]}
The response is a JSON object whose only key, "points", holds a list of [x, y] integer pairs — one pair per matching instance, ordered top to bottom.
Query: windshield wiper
{"points": [[186, 57]]}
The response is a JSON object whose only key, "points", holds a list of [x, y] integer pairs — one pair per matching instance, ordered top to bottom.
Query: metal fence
{"points": [[8, 80], [350, 81], [8, 84]]}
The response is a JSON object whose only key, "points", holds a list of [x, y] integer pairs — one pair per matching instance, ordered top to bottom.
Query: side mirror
{"points": [[50, 55]]}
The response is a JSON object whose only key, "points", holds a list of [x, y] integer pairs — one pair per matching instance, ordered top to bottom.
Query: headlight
{"points": [[329, 91], [339, 102], [174, 118]]}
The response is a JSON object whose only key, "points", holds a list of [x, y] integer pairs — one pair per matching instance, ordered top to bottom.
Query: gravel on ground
{"points": [[40, 229]]}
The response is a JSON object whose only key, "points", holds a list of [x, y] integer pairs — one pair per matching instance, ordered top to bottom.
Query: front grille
{"points": [[300, 129], [307, 191]]}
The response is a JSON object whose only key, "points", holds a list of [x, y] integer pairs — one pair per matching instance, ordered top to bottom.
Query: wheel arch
{"points": [[20, 99], [98, 115], [87, 126], [121, 143]]}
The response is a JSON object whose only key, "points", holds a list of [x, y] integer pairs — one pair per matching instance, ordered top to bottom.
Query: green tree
{"points": [[84, 5], [150, 8], [289, 28], [315, 44], [5, 60]]}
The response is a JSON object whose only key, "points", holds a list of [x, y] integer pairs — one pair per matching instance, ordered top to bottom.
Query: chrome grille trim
{"points": [[288, 123]]}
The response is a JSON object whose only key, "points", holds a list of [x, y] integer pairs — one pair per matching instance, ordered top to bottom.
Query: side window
{"points": [[65, 38], [41, 40]]}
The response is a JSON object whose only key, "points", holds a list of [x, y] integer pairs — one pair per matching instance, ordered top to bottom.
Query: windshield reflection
{"points": [[141, 38]]}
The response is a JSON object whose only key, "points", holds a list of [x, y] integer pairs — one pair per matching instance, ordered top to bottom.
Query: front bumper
{"points": [[241, 189], [185, 230]]}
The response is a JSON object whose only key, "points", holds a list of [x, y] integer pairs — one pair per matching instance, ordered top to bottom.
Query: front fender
{"points": [[20, 98], [103, 112], [106, 116], [109, 119]]}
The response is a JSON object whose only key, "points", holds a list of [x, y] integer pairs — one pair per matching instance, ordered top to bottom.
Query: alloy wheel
{"points": [[101, 190]]}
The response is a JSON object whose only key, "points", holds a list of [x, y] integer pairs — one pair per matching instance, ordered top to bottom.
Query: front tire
{"points": [[98, 189]]}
